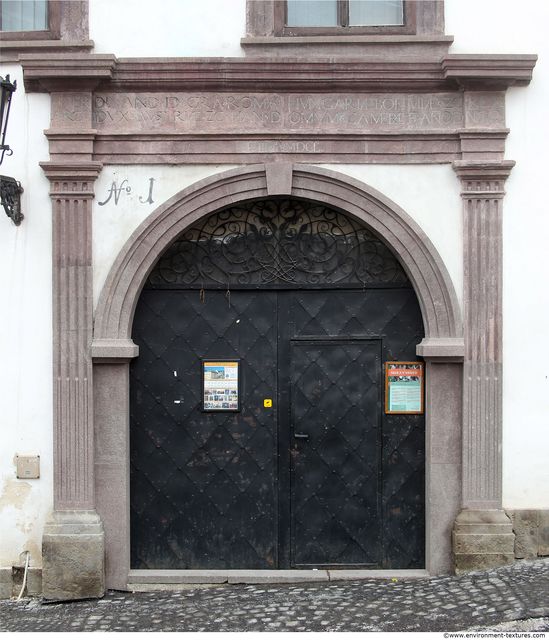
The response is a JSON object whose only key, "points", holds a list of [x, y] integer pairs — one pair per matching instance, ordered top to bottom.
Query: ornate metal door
{"points": [[312, 304], [335, 427]]}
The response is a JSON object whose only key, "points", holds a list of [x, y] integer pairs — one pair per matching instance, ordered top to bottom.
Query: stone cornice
{"points": [[64, 71], [489, 71]]}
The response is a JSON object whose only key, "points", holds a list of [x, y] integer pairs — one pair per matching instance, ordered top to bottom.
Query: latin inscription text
{"points": [[244, 113]]}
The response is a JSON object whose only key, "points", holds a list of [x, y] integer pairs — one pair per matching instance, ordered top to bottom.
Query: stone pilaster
{"points": [[483, 535], [73, 541]]}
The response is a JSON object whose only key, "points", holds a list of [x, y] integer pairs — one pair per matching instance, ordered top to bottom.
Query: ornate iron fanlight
{"points": [[10, 188], [277, 243]]}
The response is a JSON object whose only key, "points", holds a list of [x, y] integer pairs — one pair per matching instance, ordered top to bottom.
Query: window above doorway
{"points": [[339, 17], [29, 19], [43, 26], [381, 29]]}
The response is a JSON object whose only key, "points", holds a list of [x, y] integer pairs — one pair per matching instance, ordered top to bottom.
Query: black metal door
{"points": [[335, 428], [321, 478], [203, 485]]}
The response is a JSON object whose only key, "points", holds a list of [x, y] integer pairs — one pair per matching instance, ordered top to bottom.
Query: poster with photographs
{"points": [[220, 385], [404, 387]]}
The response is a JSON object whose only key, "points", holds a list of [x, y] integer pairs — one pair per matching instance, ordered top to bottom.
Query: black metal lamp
{"points": [[10, 188]]}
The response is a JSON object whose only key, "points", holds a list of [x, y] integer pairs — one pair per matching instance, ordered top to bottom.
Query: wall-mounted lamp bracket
{"points": [[10, 198]]}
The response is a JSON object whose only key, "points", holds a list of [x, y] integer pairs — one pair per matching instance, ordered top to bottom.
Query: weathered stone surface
{"points": [[256, 112], [526, 528], [482, 539], [484, 543], [543, 549], [73, 553], [479, 562], [276, 577], [34, 582], [6, 583]]}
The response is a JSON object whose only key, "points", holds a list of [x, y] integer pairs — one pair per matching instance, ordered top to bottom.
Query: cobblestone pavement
{"points": [[479, 600]]}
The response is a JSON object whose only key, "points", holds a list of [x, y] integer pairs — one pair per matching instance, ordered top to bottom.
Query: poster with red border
{"points": [[404, 387]]}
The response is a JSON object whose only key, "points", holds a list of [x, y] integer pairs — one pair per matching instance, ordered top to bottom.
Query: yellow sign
{"points": [[267, 402]]}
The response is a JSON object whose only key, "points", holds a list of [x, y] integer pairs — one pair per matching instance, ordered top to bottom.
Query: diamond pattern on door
{"points": [[392, 315], [312, 327], [335, 403], [202, 483]]}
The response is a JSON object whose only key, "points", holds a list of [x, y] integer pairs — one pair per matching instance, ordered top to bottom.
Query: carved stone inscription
{"points": [[270, 112]]}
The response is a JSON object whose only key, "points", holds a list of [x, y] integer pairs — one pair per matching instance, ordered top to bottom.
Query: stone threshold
{"points": [[166, 578]]}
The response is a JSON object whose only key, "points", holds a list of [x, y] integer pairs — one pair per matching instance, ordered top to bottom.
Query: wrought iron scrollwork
{"points": [[10, 198], [272, 243]]}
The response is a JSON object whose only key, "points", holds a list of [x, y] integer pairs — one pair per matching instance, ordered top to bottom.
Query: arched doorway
{"points": [[113, 349], [298, 465]]}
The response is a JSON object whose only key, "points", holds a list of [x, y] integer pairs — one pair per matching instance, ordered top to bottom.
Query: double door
{"points": [[309, 472]]}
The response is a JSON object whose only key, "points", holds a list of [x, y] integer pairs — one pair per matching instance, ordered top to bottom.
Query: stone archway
{"points": [[442, 347]]}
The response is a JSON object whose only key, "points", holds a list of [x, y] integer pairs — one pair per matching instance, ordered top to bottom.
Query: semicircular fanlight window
{"points": [[277, 243]]}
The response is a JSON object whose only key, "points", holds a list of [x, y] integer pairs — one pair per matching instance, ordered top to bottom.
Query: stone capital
{"points": [[72, 179], [483, 179]]}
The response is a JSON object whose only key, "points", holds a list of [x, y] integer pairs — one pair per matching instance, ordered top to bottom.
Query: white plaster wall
{"points": [[503, 26], [168, 28], [430, 194], [122, 203], [25, 332]]}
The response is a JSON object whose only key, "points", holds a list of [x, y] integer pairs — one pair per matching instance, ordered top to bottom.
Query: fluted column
{"points": [[71, 193], [483, 534], [73, 541]]}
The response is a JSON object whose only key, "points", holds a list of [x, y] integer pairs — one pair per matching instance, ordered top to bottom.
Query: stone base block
{"points": [[531, 527], [482, 539], [543, 549], [73, 556], [6, 583], [33, 586]]}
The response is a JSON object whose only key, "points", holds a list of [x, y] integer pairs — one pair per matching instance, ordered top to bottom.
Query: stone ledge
{"points": [[441, 349], [113, 351], [165, 578]]}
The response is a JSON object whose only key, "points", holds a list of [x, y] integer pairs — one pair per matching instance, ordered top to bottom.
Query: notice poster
{"points": [[220, 385], [404, 387]]}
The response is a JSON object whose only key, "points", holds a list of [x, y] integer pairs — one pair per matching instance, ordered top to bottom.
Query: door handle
{"points": [[301, 436]]}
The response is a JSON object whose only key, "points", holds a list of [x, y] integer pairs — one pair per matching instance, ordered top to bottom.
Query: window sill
{"points": [[364, 39], [418, 46], [11, 49]]}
